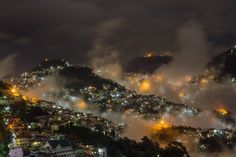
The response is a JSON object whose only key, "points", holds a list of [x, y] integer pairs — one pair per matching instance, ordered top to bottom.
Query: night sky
{"points": [[70, 29]]}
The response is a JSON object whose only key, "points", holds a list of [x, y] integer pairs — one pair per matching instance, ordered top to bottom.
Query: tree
{"points": [[4, 139], [4, 149], [176, 149]]}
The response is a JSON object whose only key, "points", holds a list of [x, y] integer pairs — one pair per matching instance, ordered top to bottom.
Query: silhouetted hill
{"points": [[225, 63], [146, 64], [78, 77], [105, 93]]}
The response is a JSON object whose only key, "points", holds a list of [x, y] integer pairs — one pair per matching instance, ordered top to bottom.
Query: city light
{"points": [[149, 54], [203, 83], [145, 86], [14, 91], [81, 105], [222, 110], [162, 124]]}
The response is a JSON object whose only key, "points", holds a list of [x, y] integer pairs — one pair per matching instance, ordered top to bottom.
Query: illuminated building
{"points": [[145, 86], [222, 111], [58, 148], [16, 152], [102, 152]]}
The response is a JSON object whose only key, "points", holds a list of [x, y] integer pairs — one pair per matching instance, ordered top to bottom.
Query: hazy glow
{"points": [[149, 54], [203, 83], [145, 86], [14, 91], [181, 95], [24, 98], [81, 105], [222, 110], [161, 125]]}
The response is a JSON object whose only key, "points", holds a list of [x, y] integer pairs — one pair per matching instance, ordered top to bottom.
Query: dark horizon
{"points": [[71, 30], [113, 78]]}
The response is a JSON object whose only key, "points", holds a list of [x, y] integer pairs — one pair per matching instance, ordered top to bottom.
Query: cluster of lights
{"points": [[145, 86], [81, 104], [222, 110], [161, 124]]}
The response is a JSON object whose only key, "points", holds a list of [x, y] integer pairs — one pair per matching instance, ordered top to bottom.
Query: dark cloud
{"points": [[70, 29]]}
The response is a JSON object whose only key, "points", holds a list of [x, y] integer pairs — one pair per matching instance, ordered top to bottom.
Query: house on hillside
{"points": [[58, 148], [16, 152]]}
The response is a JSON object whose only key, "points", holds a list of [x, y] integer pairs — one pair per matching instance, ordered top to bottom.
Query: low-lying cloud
{"points": [[7, 65]]}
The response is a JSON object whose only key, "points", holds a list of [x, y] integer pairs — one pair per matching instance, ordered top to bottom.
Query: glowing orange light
{"points": [[149, 54], [203, 82], [145, 86], [14, 91], [181, 94], [24, 98], [34, 100], [81, 104], [222, 111], [161, 125], [11, 126]]}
